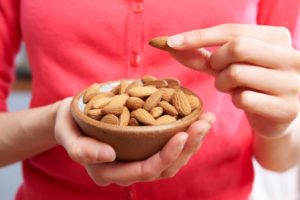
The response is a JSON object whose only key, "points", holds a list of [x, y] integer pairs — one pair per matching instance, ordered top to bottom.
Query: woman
{"points": [[73, 44]]}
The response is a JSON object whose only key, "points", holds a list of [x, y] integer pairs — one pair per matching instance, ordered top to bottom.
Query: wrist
{"points": [[39, 125], [280, 130], [281, 152]]}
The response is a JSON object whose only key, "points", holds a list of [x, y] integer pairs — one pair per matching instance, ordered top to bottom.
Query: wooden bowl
{"points": [[130, 143]]}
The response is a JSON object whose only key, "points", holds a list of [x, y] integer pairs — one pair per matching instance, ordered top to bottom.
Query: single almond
{"points": [[160, 43], [148, 78], [173, 82], [157, 83], [133, 84], [123, 86], [116, 89], [142, 91], [186, 91], [90, 92], [167, 93], [104, 94], [153, 100], [194, 101], [101, 102], [134, 103], [181, 103], [90, 104], [116, 105], [168, 108], [113, 109], [157, 112], [94, 114], [143, 116], [124, 117], [110, 119], [165, 119], [133, 122]]}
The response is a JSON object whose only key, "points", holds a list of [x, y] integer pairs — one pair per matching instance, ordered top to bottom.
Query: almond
{"points": [[160, 43], [148, 78], [172, 82], [157, 83], [133, 84], [123, 86], [116, 89], [142, 91], [90, 92], [104, 94], [167, 94], [153, 100], [149, 101], [194, 101], [101, 102], [134, 103], [181, 103], [90, 104], [115, 106], [168, 108], [157, 112], [94, 114], [143, 116], [124, 117], [110, 119], [165, 119], [133, 122]]}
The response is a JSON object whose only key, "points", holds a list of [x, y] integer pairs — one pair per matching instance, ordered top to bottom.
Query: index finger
{"points": [[221, 34]]}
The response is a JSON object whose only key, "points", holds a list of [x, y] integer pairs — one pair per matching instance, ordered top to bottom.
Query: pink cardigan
{"points": [[72, 44]]}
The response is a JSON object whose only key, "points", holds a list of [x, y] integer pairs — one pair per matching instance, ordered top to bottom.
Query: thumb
{"points": [[197, 59], [80, 148]]}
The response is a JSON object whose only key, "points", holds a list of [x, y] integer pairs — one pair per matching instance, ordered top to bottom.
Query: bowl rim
{"points": [[133, 129]]}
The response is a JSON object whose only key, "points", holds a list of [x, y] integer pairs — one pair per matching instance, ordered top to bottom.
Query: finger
{"points": [[221, 34], [253, 51], [194, 59], [256, 78], [266, 106], [209, 117], [196, 132], [81, 149], [125, 173]]}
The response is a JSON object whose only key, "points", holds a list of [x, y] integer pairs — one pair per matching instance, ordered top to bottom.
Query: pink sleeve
{"points": [[281, 13], [10, 36]]}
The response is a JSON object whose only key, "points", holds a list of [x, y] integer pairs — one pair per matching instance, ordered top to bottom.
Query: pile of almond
{"points": [[149, 101]]}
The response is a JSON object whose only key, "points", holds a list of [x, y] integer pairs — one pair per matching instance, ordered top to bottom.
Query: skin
{"points": [[260, 69], [268, 94], [20, 129]]}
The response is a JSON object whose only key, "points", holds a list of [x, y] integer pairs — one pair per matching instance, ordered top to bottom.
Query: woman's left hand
{"points": [[256, 65]]}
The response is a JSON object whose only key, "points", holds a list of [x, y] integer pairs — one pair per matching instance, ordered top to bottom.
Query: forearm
{"points": [[26, 133], [279, 154]]}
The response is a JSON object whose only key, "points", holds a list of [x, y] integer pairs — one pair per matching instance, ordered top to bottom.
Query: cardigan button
{"points": [[138, 6], [136, 59]]}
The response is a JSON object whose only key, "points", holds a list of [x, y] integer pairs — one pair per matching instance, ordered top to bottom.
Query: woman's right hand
{"points": [[97, 157]]}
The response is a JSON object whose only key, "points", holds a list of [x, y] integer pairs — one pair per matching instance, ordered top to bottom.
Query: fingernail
{"points": [[175, 41], [213, 119], [205, 133], [202, 134], [106, 155]]}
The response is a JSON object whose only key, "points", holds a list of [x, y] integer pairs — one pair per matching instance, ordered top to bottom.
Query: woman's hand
{"points": [[256, 65], [98, 157]]}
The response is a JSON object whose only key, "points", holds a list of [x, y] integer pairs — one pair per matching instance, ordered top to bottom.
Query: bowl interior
{"points": [[105, 87], [78, 109]]}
